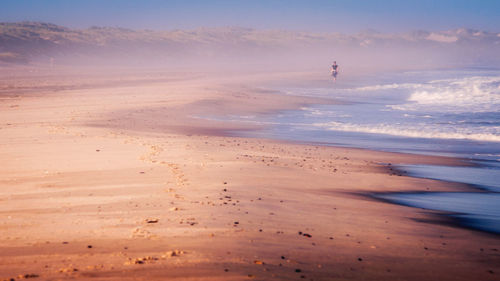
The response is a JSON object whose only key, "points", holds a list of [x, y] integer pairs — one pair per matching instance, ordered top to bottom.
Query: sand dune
{"points": [[243, 49]]}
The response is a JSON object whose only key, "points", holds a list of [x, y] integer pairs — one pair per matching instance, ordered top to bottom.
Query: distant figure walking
{"points": [[335, 70]]}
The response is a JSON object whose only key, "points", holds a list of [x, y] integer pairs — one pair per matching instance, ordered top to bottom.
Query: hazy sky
{"points": [[311, 15]]}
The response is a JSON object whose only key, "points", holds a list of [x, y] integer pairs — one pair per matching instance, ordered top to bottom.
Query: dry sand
{"points": [[115, 178]]}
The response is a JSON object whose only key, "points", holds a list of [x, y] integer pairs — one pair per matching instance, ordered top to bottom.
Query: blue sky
{"points": [[313, 15]]}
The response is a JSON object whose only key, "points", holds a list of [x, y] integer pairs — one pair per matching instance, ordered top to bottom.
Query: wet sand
{"points": [[117, 179]]}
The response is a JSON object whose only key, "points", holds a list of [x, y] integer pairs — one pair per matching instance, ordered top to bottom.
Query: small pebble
{"points": [[152, 220], [26, 276]]}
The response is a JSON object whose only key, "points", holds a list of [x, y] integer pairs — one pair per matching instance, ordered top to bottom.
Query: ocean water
{"points": [[449, 112], [454, 113]]}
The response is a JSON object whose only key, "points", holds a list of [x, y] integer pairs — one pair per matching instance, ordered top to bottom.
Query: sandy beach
{"points": [[118, 177]]}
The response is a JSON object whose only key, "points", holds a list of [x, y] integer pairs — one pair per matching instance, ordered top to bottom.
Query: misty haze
{"points": [[237, 48], [250, 140]]}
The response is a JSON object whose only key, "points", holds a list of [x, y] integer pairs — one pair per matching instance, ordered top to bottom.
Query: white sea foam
{"points": [[386, 87], [471, 94], [462, 107], [324, 113], [417, 131]]}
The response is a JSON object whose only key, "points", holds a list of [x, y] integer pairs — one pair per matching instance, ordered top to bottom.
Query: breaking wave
{"points": [[470, 94], [423, 131]]}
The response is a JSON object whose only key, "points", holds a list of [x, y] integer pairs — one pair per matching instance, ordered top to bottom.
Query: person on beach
{"points": [[335, 70]]}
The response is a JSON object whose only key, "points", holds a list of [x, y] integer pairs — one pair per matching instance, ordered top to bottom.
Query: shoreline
{"points": [[155, 195]]}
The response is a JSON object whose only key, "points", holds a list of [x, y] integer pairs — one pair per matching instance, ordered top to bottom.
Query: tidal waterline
{"points": [[447, 113]]}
